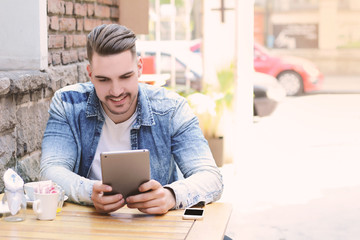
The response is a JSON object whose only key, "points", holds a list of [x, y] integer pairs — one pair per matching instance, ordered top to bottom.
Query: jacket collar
{"points": [[93, 106]]}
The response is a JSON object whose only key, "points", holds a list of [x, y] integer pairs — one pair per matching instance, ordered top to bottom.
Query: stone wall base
{"points": [[24, 103]]}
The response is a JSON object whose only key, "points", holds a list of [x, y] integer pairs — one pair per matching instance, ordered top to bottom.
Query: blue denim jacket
{"points": [[165, 125]]}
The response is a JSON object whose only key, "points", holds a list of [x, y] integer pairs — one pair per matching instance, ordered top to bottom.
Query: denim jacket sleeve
{"points": [[61, 155], [202, 178]]}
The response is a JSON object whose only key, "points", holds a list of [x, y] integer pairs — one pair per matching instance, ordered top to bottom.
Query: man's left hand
{"points": [[153, 199]]}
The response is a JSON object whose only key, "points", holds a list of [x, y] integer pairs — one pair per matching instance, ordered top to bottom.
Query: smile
{"points": [[117, 99], [120, 99]]}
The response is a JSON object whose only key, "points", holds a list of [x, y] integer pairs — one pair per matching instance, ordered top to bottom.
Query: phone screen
{"points": [[195, 212]]}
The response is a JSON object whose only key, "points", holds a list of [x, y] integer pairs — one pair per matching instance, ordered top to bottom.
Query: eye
{"points": [[126, 76], [102, 79]]}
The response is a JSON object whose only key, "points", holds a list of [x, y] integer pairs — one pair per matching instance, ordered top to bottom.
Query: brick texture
{"points": [[56, 7], [69, 8], [80, 9], [90, 10], [102, 11], [114, 12], [54, 23], [69, 23], [79, 24], [89, 24], [79, 40], [56, 41], [69, 41], [69, 57], [55, 58]]}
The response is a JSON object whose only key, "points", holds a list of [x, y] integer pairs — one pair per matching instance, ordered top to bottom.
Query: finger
{"points": [[149, 185], [101, 188], [98, 191], [149, 191], [144, 197], [110, 199], [147, 200], [158, 201], [148, 204], [109, 207], [154, 210]]}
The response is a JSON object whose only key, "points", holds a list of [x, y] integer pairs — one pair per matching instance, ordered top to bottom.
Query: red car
{"points": [[296, 75]]}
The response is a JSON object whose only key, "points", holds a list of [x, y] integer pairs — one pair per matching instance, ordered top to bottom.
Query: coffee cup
{"points": [[45, 205]]}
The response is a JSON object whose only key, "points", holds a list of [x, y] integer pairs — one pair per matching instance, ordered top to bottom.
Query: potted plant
{"points": [[210, 106]]}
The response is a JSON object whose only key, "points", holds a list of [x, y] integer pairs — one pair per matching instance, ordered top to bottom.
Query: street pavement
{"points": [[341, 84], [302, 181]]}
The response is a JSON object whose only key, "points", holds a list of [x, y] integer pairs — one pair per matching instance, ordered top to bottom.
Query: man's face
{"points": [[115, 78]]}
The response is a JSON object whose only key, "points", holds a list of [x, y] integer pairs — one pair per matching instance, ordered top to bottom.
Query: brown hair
{"points": [[110, 39]]}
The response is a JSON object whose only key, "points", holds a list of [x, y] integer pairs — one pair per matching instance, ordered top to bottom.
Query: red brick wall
{"points": [[69, 22]]}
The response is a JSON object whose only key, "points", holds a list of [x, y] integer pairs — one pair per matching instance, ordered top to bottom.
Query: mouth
{"points": [[118, 100]]}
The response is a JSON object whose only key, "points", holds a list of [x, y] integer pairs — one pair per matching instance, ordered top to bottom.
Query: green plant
{"points": [[210, 104]]}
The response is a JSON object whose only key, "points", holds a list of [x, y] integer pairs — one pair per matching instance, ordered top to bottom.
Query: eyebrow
{"points": [[121, 76]]}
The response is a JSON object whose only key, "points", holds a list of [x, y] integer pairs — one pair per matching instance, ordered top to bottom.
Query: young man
{"points": [[114, 112]]}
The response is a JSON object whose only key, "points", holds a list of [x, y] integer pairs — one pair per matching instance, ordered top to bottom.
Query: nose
{"points": [[116, 89]]}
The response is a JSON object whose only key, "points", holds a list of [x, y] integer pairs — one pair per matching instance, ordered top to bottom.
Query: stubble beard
{"points": [[114, 110]]}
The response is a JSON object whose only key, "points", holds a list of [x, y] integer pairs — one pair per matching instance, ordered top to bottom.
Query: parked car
{"points": [[188, 65], [296, 75], [267, 90]]}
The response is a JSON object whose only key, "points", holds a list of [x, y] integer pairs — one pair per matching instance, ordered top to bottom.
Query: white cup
{"points": [[45, 205]]}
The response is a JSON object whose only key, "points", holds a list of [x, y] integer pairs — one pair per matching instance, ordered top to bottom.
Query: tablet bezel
{"points": [[125, 171]]}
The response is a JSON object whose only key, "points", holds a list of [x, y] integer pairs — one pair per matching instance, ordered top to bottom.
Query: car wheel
{"points": [[292, 82]]}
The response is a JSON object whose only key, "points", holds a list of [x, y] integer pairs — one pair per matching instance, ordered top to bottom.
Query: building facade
{"points": [[326, 31], [25, 94]]}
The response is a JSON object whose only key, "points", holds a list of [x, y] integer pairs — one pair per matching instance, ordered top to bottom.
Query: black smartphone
{"points": [[193, 213]]}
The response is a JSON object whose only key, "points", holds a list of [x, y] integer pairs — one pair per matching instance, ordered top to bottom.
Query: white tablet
{"points": [[125, 171]]}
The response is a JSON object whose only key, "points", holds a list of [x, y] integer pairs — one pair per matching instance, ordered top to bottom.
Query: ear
{"points": [[139, 66], [88, 68]]}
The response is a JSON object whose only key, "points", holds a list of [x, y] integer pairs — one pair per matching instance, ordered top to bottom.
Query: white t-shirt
{"points": [[114, 137]]}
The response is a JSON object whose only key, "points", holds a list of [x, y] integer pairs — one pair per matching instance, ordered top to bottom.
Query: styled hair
{"points": [[108, 39]]}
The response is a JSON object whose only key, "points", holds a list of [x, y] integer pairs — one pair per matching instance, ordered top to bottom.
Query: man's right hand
{"points": [[106, 204]]}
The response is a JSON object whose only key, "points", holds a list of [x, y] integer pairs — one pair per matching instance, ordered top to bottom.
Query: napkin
{"points": [[14, 186], [44, 187]]}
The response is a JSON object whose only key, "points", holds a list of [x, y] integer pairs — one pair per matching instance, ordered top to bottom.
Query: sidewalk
{"points": [[340, 84], [302, 180], [334, 216]]}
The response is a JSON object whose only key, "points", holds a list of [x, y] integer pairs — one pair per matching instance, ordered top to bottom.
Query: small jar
{"points": [[18, 200]]}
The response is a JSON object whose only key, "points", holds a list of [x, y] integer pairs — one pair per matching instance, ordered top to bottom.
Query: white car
{"points": [[187, 65]]}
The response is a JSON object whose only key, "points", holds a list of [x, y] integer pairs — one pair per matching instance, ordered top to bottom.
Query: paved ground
{"points": [[344, 84], [303, 180]]}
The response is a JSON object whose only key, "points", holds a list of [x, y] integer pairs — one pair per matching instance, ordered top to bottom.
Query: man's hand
{"points": [[153, 199], [106, 204]]}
